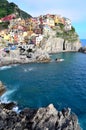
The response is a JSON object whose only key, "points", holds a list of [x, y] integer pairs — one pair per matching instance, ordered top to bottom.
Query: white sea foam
{"points": [[15, 65], [8, 66], [5, 67], [28, 69], [5, 97], [16, 109]]}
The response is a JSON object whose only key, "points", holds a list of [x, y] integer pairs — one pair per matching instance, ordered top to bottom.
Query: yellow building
{"points": [[56, 20], [24, 34], [6, 37]]}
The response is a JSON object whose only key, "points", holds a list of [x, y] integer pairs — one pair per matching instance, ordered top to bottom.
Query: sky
{"points": [[72, 9]]}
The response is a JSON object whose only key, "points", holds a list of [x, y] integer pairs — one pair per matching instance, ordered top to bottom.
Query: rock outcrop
{"points": [[53, 43], [82, 49], [18, 57], [2, 88], [42, 119]]}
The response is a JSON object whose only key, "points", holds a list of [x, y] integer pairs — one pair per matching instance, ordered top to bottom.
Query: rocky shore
{"points": [[21, 56], [47, 118]]}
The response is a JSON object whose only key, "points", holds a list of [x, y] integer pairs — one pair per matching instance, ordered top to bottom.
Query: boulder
{"points": [[41, 56], [2, 88]]}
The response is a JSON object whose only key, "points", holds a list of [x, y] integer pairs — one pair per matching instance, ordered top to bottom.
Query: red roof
{"points": [[8, 17]]}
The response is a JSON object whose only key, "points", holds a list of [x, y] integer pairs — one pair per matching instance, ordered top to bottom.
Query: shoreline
{"points": [[14, 61], [44, 118]]}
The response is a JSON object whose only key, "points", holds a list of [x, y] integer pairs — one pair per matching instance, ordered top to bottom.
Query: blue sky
{"points": [[72, 9]]}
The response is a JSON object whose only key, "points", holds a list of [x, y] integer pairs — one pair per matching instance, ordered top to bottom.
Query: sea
{"points": [[40, 84]]}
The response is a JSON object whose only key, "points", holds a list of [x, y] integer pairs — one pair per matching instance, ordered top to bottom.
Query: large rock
{"points": [[53, 45], [82, 49], [41, 56], [2, 88], [42, 119], [50, 119]]}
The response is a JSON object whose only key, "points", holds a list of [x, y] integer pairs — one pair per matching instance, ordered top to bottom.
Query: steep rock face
{"points": [[59, 40], [54, 45], [71, 46], [2, 88], [42, 119]]}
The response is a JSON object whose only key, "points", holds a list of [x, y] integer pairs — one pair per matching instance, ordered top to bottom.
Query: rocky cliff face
{"points": [[59, 40], [2, 88], [42, 119]]}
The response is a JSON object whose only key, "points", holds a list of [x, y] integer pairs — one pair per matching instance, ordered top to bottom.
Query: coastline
{"points": [[34, 40], [6, 61], [34, 114], [45, 118]]}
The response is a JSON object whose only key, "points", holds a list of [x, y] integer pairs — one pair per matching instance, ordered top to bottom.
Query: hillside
{"points": [[7, 8], [52, 33]]}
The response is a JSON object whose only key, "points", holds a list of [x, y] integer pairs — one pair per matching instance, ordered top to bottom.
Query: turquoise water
{"points": [[36, 85]]}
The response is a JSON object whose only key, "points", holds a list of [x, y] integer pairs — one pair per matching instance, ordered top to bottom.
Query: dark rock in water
{"points": [[82, 49], [2, 88], [8, 106], [42, 119]]}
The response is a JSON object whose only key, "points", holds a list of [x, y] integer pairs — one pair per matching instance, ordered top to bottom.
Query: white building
{"points": [[67, 24], [39, 39]]}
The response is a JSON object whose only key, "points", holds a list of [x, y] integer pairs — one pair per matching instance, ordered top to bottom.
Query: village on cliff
{"points": [[20, 30], [31, 35]]}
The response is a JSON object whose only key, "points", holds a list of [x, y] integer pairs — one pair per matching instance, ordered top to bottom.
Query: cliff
{"points": [[58, 39], [47, 118]]}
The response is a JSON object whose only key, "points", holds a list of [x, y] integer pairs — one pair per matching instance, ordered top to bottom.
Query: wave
{"points": [[15, 65], [8, 66], [5, 67], [28, 69], [5, 97]]}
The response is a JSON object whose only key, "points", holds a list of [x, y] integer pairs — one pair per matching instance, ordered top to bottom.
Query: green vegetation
{"points": [[7, 8], [4, 25], [69, 35]]}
